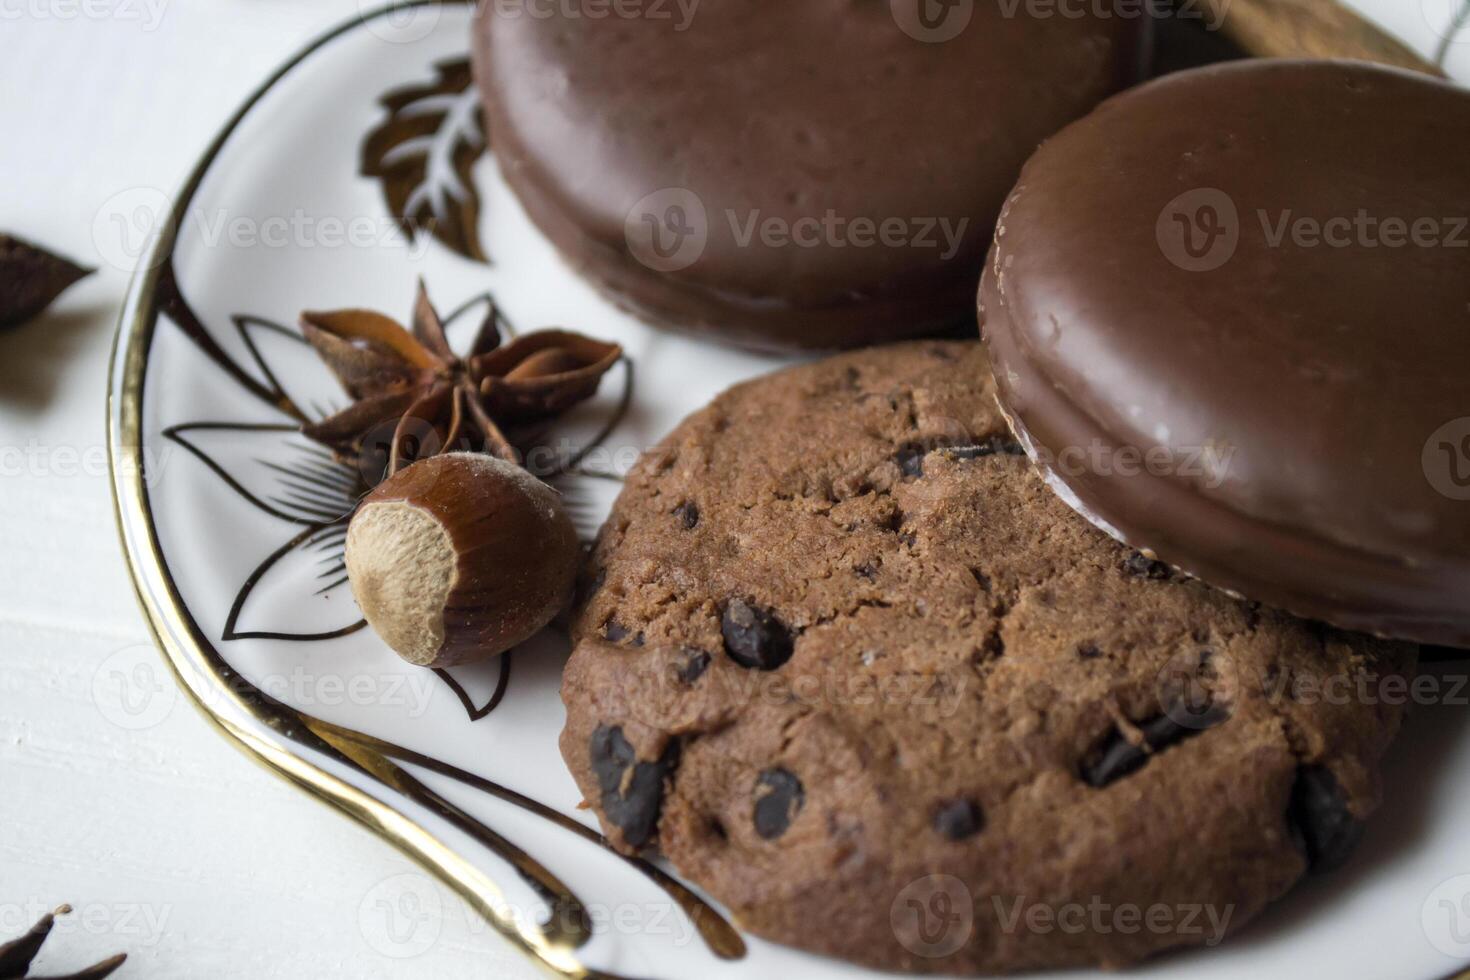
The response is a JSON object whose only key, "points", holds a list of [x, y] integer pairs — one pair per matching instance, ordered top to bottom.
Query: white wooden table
{"points": [[171, 845]]}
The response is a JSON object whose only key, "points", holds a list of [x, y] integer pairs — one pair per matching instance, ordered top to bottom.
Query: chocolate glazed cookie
{"points": [[817, 174], [1254, 280], [859, 674]]}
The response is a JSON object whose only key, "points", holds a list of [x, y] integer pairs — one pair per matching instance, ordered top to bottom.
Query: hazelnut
{"points": [[460, 557]]}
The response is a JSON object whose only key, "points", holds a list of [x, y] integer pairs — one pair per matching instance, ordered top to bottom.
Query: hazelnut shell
{"points": [[460, 557]]}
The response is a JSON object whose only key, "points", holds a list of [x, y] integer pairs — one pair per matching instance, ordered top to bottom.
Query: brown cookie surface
{"points": [[849, 663]]}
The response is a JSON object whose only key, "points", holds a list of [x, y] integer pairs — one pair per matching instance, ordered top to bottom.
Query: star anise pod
{"points": [[30, 278], [433, 399], [16, 955]]}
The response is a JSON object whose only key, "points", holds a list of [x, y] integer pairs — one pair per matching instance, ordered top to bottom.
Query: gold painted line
{"points": [[167, 617], [722, 937]]}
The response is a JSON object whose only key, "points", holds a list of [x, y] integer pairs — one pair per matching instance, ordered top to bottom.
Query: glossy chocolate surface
{"points": [[820, 122], [1259, 273]]}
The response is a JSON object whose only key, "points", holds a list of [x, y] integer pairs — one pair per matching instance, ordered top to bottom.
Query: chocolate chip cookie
{"points": [[852, 666]]}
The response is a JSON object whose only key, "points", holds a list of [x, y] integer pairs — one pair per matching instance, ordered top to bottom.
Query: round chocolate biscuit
{"points": [[819, 174], [1230, 313], [860, 675]]}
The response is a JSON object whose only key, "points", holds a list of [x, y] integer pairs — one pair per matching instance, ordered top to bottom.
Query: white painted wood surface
{"points": [[171, 845]]}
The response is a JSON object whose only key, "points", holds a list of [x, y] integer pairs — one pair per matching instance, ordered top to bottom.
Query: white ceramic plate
{"points": [[233, 525]]}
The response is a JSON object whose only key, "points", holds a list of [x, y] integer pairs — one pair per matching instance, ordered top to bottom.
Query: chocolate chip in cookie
{"points": [[754, 637], [692, 665], [1118, 756], [632, 791], [779, 797], [959, 820], [1321, 821]]}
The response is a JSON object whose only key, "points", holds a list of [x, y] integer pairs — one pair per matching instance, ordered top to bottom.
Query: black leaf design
{"points": [[423, 153], [314, 555]]}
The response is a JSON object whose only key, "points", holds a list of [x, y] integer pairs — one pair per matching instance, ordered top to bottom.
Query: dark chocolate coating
{"points": [[788, 111], [1325, 378]]}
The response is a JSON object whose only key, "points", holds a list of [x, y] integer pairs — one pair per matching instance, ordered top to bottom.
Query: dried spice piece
{"points": [[30, 279], [434, 400], [16, 955]]}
